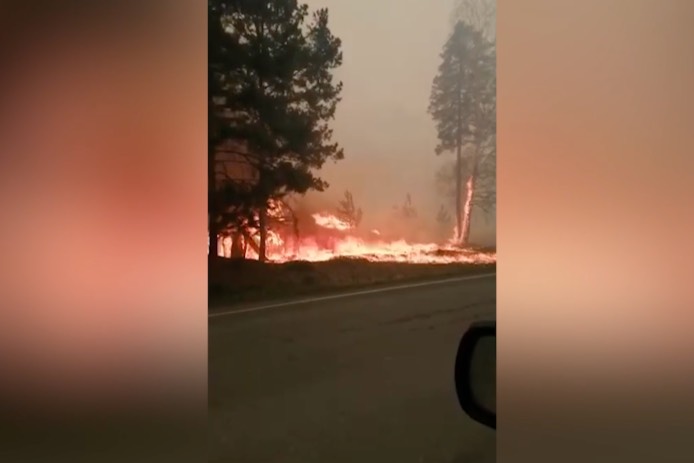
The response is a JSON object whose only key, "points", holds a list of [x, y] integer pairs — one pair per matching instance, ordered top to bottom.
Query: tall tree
{"points": [[481, 16], [218, 57], [280, 95], [463, 106], [231, 198]]}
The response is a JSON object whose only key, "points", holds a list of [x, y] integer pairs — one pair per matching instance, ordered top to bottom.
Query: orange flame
{"points": [[467, 209], [330, 221], [283, 249]]}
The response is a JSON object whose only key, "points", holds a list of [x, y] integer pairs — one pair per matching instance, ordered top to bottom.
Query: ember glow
{"points": [[332, 237]]}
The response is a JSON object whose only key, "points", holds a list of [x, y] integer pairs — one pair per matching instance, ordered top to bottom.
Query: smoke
{"points": [[382, 121]]}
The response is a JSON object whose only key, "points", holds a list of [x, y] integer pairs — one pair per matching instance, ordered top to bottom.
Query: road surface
{"points": [[362, 378]]}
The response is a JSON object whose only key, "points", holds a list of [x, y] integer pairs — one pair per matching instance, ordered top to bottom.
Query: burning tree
{"points": [[272, 96], [463, 106], [484, 197], [348, 212]]}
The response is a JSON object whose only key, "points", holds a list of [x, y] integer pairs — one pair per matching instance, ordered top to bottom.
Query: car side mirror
{"points": [[475, 373]]}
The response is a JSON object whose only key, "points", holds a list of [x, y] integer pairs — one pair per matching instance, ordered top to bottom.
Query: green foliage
{"points": [[280, 92], [272, 94]]}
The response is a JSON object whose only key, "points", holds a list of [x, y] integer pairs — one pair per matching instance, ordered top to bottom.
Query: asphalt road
{"points": [[365, 378]]}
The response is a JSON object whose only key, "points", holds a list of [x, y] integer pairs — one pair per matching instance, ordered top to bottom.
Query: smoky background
{"points": [[391, 55]]}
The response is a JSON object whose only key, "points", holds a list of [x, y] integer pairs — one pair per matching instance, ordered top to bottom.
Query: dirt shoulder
{"points": [[236, 281]]}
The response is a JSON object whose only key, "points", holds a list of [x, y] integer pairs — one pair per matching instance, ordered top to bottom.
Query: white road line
{"points": [[343, 295]]}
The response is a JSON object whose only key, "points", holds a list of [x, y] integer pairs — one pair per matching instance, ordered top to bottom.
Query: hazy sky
{"points": [[391, 54]]}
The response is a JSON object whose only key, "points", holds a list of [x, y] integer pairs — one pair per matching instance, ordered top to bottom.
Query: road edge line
{"points": [[345, 295]]}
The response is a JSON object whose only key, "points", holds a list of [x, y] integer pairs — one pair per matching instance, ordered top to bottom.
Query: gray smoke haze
{"points": [[391, 54]]}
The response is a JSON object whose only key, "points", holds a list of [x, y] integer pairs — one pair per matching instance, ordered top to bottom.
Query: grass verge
{"points": [[236, 281]]}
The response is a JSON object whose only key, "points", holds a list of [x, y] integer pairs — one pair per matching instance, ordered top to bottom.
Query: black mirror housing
{"points": [[466, 382]]}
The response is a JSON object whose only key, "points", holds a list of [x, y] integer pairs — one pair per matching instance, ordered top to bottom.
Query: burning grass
{"points": [[328, 253], [240, 280]]}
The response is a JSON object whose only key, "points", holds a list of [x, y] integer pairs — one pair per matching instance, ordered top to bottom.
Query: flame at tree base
{"points": [[335, 238], [377, 251]]}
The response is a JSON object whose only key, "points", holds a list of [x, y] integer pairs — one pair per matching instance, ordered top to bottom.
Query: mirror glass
{"points": [[483, 372]]}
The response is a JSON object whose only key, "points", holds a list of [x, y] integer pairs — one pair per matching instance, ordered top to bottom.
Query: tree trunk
{"points": [[459, 167], [458, 195], [469, 200], [212, 207], [467, 210], [262, 219], [248, 241], [213, 247], [237, 250]]}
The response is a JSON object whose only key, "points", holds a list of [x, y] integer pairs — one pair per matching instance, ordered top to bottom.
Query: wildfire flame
{"points": [[467, 209], [330, 221], [336, 238]]}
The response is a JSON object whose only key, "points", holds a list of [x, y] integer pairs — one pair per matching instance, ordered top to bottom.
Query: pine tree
{"points": [[279, 95], [463, 106]]}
